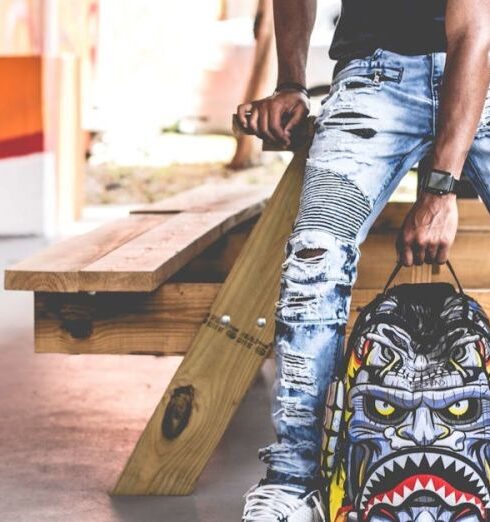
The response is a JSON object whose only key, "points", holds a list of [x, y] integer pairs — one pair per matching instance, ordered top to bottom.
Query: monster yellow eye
{"points": [[384, 408], [458, 409], [379, 410]]}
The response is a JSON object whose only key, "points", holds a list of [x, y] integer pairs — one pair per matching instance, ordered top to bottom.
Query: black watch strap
{"points": [[439, 182]]}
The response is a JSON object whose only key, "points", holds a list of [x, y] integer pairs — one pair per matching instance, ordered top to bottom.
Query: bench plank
{"points": [[211, 197], [138, 253], [143, 264], [56, 268], [157, 323], [222, 361]]}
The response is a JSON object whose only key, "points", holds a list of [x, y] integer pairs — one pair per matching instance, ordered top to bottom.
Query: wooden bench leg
{"points": [[223, 360]]}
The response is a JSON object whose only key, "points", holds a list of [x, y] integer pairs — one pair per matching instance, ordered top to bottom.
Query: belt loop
{"points": [[378, 54]]}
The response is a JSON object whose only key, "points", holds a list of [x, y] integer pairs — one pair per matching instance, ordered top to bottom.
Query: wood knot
{"points": [[178, 412]]}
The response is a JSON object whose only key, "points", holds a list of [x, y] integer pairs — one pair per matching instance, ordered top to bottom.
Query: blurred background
{"points": [[109, 103]]}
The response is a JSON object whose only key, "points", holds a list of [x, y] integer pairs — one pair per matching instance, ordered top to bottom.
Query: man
{"points": [[411, 81]]}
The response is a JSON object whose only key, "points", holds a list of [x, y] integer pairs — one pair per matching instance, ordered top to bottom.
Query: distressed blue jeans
{"points": [[378, 120]]}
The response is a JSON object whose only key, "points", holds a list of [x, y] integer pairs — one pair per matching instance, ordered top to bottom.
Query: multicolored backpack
{"points": [[407, 432]]}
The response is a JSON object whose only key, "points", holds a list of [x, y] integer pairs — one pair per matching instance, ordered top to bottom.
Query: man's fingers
{"points": [[242, 114], [297, 115], [253, 120], [264, 125], [275, 126], [404, 249], [418, 254], [431, 254], [442, 254], [406, 256]]}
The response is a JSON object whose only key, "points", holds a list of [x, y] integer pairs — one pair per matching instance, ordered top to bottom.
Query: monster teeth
{"points": [[416, 458], [431, 458], [401, 461], [447, 461], [390, 465], [459, 465], [424, 483], [369, 484], [481, 487], [406, 492], [441, 492], [397, 496], [397, 499], [451, 499]]}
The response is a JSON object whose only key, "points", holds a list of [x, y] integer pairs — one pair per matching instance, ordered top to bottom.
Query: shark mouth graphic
{"points": [[425, 477]]}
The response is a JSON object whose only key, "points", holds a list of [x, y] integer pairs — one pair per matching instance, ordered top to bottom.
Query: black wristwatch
{"points": [[439, 182]]}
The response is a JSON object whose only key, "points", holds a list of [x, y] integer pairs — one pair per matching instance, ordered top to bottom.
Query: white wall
{"points": [[26, 192]]}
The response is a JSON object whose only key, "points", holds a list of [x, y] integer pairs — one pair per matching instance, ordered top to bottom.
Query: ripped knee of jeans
{"points": [[308, 253], [317, 277], [298, 373], [293, 411]]}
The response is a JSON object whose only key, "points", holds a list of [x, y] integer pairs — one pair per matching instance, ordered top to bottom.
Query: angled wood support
{"points": [[223, 360]]}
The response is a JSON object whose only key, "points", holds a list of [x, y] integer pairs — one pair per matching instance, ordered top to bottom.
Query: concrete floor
{"points": [[68, 423]]}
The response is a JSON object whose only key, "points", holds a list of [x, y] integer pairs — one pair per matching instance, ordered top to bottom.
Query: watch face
{"points": [[440, 182]]}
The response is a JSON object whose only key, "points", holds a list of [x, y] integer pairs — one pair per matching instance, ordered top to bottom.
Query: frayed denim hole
{"points": [[360, 82], [311, 255], [309, 270]]}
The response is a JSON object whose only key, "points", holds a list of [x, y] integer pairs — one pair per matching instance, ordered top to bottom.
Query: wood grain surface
{"points": [[214, 196], [138, 253], [57, 268], [160, 322], [222, 361]]}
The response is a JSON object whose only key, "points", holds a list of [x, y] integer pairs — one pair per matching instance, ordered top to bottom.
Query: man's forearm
{"points": [[293, 20], [466, 82]]}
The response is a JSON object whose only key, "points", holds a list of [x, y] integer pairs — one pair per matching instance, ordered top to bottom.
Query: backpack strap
{"points": [[399, 266]]}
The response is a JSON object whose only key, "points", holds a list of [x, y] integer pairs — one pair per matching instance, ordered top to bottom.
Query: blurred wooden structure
{"points": [[47, 54], [259, 81]]}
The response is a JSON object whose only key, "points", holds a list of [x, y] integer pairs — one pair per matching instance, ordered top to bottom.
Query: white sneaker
{"points": [[282, 503]]}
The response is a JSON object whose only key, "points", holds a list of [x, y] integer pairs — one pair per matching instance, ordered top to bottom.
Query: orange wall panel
{"points": [[21, 106]]}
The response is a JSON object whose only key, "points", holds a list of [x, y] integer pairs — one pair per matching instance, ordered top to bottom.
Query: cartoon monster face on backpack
{"points": [[418, 412]]}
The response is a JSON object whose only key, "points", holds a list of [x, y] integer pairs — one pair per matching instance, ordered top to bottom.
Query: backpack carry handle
{"points": [[399, 266]]}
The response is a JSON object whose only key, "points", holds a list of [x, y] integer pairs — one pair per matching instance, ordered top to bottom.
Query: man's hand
{"points": [[273, 118], [428, 230]]}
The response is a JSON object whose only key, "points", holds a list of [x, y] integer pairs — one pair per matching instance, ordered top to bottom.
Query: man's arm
{"points": [[273, 117], [430, 227]]}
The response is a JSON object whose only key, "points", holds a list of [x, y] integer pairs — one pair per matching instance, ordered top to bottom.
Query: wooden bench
{"points": [[198, 275]]}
